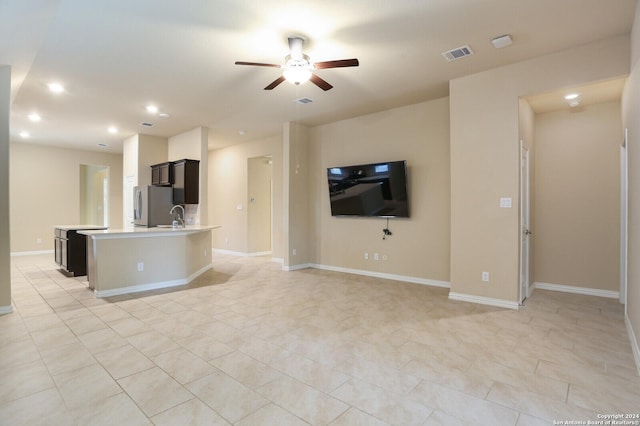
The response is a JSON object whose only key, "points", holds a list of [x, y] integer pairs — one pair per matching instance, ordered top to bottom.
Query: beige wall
{"points": [[631, 112], [188, 144], [193, 145], [151, 150], [139, 153], [485, 159], [296, 178], [228, 189], [45, 192], [577, 212], [5, 222], [419, 246]]}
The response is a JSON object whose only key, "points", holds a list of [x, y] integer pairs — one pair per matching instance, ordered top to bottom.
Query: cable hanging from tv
{"points": [[386, 232]]}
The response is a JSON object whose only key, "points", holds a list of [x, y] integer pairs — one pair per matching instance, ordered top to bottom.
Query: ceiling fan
{"points": [[299, 68]]}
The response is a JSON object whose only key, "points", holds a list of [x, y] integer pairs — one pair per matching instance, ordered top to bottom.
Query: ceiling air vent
{"points": [[457, 53], [303, 101], [145, 124]]}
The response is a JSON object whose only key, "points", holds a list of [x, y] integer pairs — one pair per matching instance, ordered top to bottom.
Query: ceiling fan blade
{"points": [[295, 47], [257, 64], [337, 64], [320, 82], [275, 83]]}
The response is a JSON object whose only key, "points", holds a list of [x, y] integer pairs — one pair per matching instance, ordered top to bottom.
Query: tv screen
{"points": [[378, 190]]}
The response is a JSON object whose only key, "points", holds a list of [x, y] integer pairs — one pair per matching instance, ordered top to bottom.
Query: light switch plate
{"points": [[505, 203]]}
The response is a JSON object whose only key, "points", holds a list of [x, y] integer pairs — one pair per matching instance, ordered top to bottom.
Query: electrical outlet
{"points": [[505, 203], [39, 241], [205, 252], [294, 252], [366, 256], [376, 256], [384, 257], [140, 266], [485, 277]]}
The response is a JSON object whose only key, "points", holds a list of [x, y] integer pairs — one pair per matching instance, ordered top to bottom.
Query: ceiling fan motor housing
{"points": [[293, 63]]}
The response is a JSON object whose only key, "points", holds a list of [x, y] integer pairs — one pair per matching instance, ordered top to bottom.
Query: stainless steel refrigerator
{"points": [[151, 205]]}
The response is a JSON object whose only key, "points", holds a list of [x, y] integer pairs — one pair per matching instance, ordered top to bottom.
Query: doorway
{"points": [[94, 195], [259, 210], [525, 222]]}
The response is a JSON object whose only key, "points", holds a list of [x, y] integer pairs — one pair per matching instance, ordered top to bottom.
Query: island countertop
{"points": [[79, 227], [139, 231]]}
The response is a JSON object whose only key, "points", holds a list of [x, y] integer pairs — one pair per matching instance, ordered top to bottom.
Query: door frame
{"points": [[624, 217], [525, 224]]}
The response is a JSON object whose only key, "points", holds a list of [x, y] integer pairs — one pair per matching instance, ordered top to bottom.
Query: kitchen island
{"points": [[70, 248], [121, 261]]}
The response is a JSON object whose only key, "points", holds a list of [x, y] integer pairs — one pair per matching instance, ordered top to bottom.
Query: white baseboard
{"points": [[30, 253], [233, 253], [259, 253], [241, 254], [278, 260], [297, 267], [404, 278], [152, 286], [610, 294], [500, 303], [6, 309], [634, 343]]}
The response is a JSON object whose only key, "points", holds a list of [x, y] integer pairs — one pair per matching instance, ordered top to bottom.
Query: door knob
{"points": [[527, 232]]}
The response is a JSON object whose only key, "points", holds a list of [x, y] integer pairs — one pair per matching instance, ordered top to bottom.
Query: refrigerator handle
{"points": [[137, 208]]}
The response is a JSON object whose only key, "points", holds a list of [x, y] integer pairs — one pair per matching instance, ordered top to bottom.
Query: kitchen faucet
{"points": [[180, 220]]}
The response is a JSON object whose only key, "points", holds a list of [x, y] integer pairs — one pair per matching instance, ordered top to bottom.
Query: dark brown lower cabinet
{"points": [[71, 249]]}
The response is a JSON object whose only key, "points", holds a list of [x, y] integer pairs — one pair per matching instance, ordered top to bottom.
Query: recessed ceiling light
{"points": [[56, 87], [571, 96], [574, 104], [152, 109], [163, 115], [35, 117], [113, 130], [241, 132], [24, 135]]}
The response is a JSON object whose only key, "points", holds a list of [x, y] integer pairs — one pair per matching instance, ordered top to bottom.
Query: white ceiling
{"points": [[116, 56]]}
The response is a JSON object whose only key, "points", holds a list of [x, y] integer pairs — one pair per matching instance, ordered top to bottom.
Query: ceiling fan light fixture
{"points": [[298, 68], [297, 75]]}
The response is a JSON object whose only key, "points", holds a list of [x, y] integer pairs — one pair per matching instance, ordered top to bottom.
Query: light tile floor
{"points": [[249, 344]]}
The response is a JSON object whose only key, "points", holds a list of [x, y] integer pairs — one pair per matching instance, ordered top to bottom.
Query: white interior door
{"points": [[259, 208], [525, 225]]}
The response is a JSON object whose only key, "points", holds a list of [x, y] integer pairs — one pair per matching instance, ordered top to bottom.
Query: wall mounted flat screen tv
{"points": [[375, 190]]}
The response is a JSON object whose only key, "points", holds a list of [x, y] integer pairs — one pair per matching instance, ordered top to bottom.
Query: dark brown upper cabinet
{"points": [[162, 174], [186, 181]]}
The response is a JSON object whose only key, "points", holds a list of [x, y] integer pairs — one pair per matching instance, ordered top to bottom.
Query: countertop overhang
{"points": [[142, 232]]}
